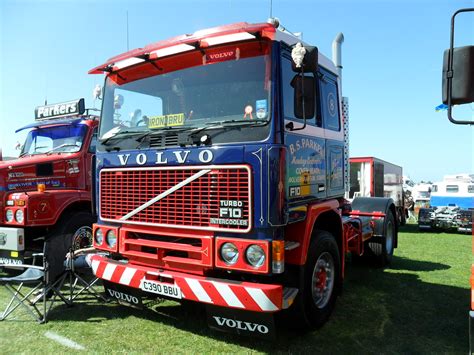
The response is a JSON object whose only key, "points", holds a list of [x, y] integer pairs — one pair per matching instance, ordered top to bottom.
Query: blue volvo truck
{"points": [[222, 164]]}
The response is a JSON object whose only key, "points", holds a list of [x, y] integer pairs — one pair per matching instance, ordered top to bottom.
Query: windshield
{"points": [[208, 95], [56, 139]]}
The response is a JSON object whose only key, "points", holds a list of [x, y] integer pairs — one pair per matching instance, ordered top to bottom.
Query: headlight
{"points": [[9, 215], [19, 216], [99, 236], [111, 238], [229, 253], [255, 255]]}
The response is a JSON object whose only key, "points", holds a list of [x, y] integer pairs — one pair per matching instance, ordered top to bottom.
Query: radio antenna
{"points": [[271, 7]]}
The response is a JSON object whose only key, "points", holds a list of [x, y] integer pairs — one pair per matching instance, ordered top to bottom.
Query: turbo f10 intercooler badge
{"points": [[230, 213]]}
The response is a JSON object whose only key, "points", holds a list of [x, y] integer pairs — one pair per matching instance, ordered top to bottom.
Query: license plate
{"points": [[161, 288]]}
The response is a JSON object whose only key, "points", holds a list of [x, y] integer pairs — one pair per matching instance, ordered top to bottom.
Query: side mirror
{"points": [[461, 89], [305, 96]]}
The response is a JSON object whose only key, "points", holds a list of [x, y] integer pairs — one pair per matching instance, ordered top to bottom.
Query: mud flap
{"points": [[123, 295], [254, 324]]}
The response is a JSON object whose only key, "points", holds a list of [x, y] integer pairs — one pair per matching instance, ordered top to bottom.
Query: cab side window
{"points": [[287, 82], [329, 102], [93, 144]]}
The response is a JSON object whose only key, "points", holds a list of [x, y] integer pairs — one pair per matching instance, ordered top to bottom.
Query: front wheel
{"points": [[72, 231], [322, 275]]}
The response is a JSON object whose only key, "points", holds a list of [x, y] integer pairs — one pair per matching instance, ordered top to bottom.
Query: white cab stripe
{"points": [[166, 193], [108, 272], [127, 276], [198, 290], [228, 295], [261, 299]]}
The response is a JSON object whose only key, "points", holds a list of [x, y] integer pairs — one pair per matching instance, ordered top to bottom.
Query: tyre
{"points": [[403, 217], [72, 230], [383, 250], [321, 282]]}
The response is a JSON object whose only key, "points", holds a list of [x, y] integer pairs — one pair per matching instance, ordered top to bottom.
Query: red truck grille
{"points": [[184, 197]]}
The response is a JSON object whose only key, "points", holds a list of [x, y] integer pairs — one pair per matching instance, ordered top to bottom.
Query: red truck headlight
{"points": [[9, 215], [20, 216], [99, 236], [105, 237], [111, 238], [229, 253], [242, 254], [255, 255]]}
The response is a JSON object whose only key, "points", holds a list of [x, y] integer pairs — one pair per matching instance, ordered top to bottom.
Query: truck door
{"points": [[306, 157]]}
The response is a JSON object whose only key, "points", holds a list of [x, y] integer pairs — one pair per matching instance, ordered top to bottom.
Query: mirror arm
{"points": [[291, 127]]}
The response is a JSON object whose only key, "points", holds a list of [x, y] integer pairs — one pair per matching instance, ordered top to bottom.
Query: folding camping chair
{"points": [[78, 276], [43, 292]]}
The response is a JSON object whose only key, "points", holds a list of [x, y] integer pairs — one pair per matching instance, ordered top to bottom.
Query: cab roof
{"points": [[203, 39], [195, 40], [65, 121]]}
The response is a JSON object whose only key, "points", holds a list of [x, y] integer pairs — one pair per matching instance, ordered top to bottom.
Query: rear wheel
{"points": [[403, 216], [383, 250], [322, 275]]}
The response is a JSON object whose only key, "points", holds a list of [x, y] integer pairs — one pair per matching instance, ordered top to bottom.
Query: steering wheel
{"points": [[143, 121]]}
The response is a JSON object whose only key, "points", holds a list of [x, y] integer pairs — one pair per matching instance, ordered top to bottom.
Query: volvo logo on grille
{"points": [[164, 157], [3, 239]]}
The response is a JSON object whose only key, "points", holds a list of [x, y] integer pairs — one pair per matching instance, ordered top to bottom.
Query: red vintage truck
{"points": [[222, 164], [374, 177], [46, 192]]}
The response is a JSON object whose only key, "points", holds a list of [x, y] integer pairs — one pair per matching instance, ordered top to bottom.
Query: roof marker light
{"points": [[233, 37], [163, 52], [127, 62]]}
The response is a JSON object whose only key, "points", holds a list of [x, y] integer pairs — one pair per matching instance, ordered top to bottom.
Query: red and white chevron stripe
{"points": [[241, 295]]}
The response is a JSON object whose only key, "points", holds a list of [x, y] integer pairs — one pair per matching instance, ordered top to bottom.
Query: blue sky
{"points": [[392, 58]]}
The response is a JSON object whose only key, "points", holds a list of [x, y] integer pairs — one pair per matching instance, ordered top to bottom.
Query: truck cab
{"points": [[46, 191]]}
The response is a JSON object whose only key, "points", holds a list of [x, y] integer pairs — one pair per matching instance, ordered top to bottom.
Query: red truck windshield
{"points": [[222, 91], [55, 139]]}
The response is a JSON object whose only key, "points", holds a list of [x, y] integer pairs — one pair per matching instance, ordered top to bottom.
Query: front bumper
{"points": [[12, 245], [218, 292]]}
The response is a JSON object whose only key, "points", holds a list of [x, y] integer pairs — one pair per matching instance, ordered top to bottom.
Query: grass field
{"points": [[419, 305]]}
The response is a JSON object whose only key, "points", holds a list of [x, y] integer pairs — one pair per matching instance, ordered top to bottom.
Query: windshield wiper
{"points": [[252, 122], [225, 124], [120, 134], [62, 146]]}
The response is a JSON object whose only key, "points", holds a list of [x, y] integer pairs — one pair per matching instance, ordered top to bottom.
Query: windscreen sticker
{"points": [[261, 108], [248, 112], [166, 121]]}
